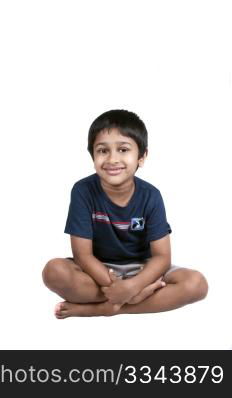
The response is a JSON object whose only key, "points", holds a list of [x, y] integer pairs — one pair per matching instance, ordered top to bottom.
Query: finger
{"points": [[113, 276], [158, 284], [104, 289]]}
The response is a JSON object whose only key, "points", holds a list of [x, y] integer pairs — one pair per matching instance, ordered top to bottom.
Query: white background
{"points": [[62, 64]]}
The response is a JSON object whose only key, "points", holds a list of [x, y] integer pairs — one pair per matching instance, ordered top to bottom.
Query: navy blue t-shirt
{"points": [[120, 235]]}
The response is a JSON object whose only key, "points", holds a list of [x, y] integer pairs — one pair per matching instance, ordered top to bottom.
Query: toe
{"points": [[57, 308], [60, 310]]}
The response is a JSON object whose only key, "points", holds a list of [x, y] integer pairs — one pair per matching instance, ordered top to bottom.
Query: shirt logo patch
{"points": [[137, 224]]}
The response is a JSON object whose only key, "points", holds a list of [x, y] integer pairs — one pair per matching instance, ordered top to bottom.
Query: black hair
{"points": [[128, 123]]}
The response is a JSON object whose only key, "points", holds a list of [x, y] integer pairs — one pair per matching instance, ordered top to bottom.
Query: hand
{"points": [[120, 291], [147, 291]]}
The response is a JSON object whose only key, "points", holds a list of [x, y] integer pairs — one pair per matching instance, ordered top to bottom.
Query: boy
{"points": [[119, 234]]}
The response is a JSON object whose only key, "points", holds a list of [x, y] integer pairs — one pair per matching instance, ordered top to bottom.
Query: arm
{"points": [[83, 256], [156, 266], [122, 291]]}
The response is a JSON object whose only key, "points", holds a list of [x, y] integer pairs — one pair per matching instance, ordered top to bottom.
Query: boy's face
{"points": [[115, 157]]}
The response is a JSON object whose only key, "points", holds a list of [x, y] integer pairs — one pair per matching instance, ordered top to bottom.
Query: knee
{"points": [[54, 273], [196, 286]]}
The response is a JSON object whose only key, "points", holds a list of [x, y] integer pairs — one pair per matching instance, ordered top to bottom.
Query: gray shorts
{"points": [[126, 271]]}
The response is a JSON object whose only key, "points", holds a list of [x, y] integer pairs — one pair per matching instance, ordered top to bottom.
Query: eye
{"points": [[124, 149], [102, 150]]}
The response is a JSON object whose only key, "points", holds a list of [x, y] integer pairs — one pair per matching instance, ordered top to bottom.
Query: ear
{"points": [[142, 159]]}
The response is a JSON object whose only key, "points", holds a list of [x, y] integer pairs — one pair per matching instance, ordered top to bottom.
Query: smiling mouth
{"points": [[114, 168], [114, 171]]}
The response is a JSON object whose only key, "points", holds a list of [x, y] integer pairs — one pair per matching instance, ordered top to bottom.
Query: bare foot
{"points": [[147, 291], [66, 309]]}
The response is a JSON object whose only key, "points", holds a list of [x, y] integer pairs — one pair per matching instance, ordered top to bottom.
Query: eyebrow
{"points": [[117, 142]]}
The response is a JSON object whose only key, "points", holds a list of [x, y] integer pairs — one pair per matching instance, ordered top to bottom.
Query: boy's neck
{"points": [[119, 191]]}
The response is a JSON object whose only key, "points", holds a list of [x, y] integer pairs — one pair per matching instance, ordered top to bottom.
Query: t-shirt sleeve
{"points": [[79, 220], [157, 225]]}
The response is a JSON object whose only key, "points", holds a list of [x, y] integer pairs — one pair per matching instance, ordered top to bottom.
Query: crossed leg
{"points": [[66, 278], [183, 286], [80, 291], [83, 296]]}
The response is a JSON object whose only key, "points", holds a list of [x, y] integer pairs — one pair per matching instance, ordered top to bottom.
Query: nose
{"points": [[113, 157]]}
